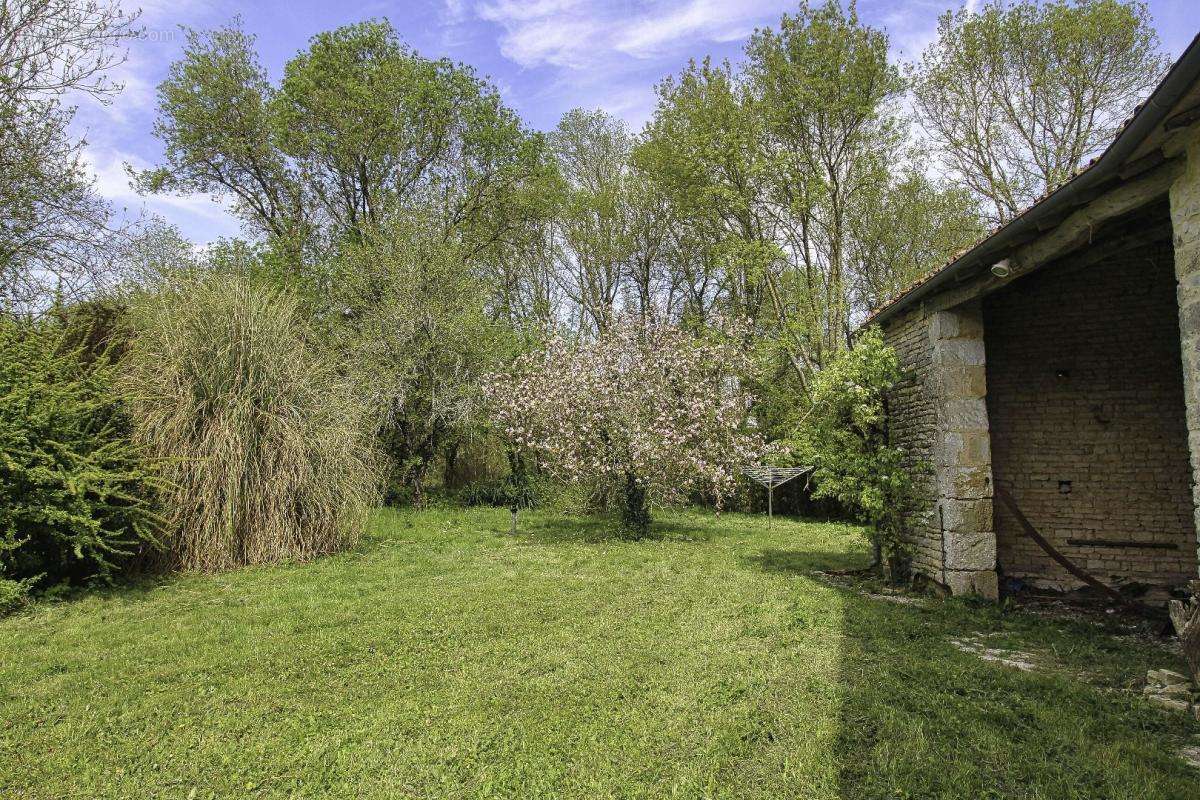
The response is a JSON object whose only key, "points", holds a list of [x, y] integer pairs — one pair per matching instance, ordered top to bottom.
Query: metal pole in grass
{"points": [[771, 477]]}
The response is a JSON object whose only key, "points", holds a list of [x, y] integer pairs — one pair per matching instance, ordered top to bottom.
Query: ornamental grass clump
{"points": [[268, 449]]}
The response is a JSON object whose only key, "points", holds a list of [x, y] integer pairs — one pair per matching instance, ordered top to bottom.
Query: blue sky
{"points": [[546, 56]]}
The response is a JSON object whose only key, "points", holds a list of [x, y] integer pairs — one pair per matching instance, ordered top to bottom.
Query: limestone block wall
{"points": [[1185, 224], [1086, 409], [938, 414], [962, 450]]}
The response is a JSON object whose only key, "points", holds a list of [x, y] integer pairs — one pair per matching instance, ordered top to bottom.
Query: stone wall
{"points": [[1185, 224], [1079, 382], [1085, 404], [912, 415], [938, 415], [962, 458]]}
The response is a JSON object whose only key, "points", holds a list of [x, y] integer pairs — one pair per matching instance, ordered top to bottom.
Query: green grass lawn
{"points": [[445, 659]]}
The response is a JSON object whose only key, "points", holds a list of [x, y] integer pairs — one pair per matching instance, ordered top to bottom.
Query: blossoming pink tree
{"points": [[646, 410]]}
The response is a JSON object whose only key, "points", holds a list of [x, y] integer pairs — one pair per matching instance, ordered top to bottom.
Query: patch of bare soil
{"points": [[1098, 609]]}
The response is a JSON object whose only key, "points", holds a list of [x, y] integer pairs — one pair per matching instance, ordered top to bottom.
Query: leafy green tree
{"points": [[826, 92], [1015, 97], [370, 125], [360, 126], [219, 135], [701, 149], [794, 189], [396, 195], [796, 199], [902, 227], [609, 232], [590, 234], [151, 253], [409, 313]]}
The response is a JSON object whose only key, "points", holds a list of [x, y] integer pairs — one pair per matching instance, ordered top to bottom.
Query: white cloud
{"points": [[456, 10], [519, 10], [698, 20], [542, 31], [583, 34], [558, 42], [593, 53], [610, 55]]}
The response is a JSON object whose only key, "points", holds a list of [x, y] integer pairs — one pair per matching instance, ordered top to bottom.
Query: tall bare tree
{"points": [[1014, 98], [52, 223], [610, 232]]}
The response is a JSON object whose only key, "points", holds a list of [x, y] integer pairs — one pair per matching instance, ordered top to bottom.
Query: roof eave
{"points": [[1182, 75]]}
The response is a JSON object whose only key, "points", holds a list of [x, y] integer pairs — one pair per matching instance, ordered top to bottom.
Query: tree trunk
{"points": [[450, 474], [635, 508]]}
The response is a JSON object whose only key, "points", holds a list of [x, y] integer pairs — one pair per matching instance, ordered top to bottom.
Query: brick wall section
{"points": [[1085, 385], [912, 415]]}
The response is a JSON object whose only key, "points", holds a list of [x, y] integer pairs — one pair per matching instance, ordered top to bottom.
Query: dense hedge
{"points": [[74, 489]]}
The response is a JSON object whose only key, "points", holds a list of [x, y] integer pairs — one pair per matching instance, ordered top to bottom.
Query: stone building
{"points": [[1059, 359]]}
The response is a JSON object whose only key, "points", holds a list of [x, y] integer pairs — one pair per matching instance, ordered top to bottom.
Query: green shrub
{"points": [[844, 436], [268, 448], [75, 492], [507, 492], [13, 595]]}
